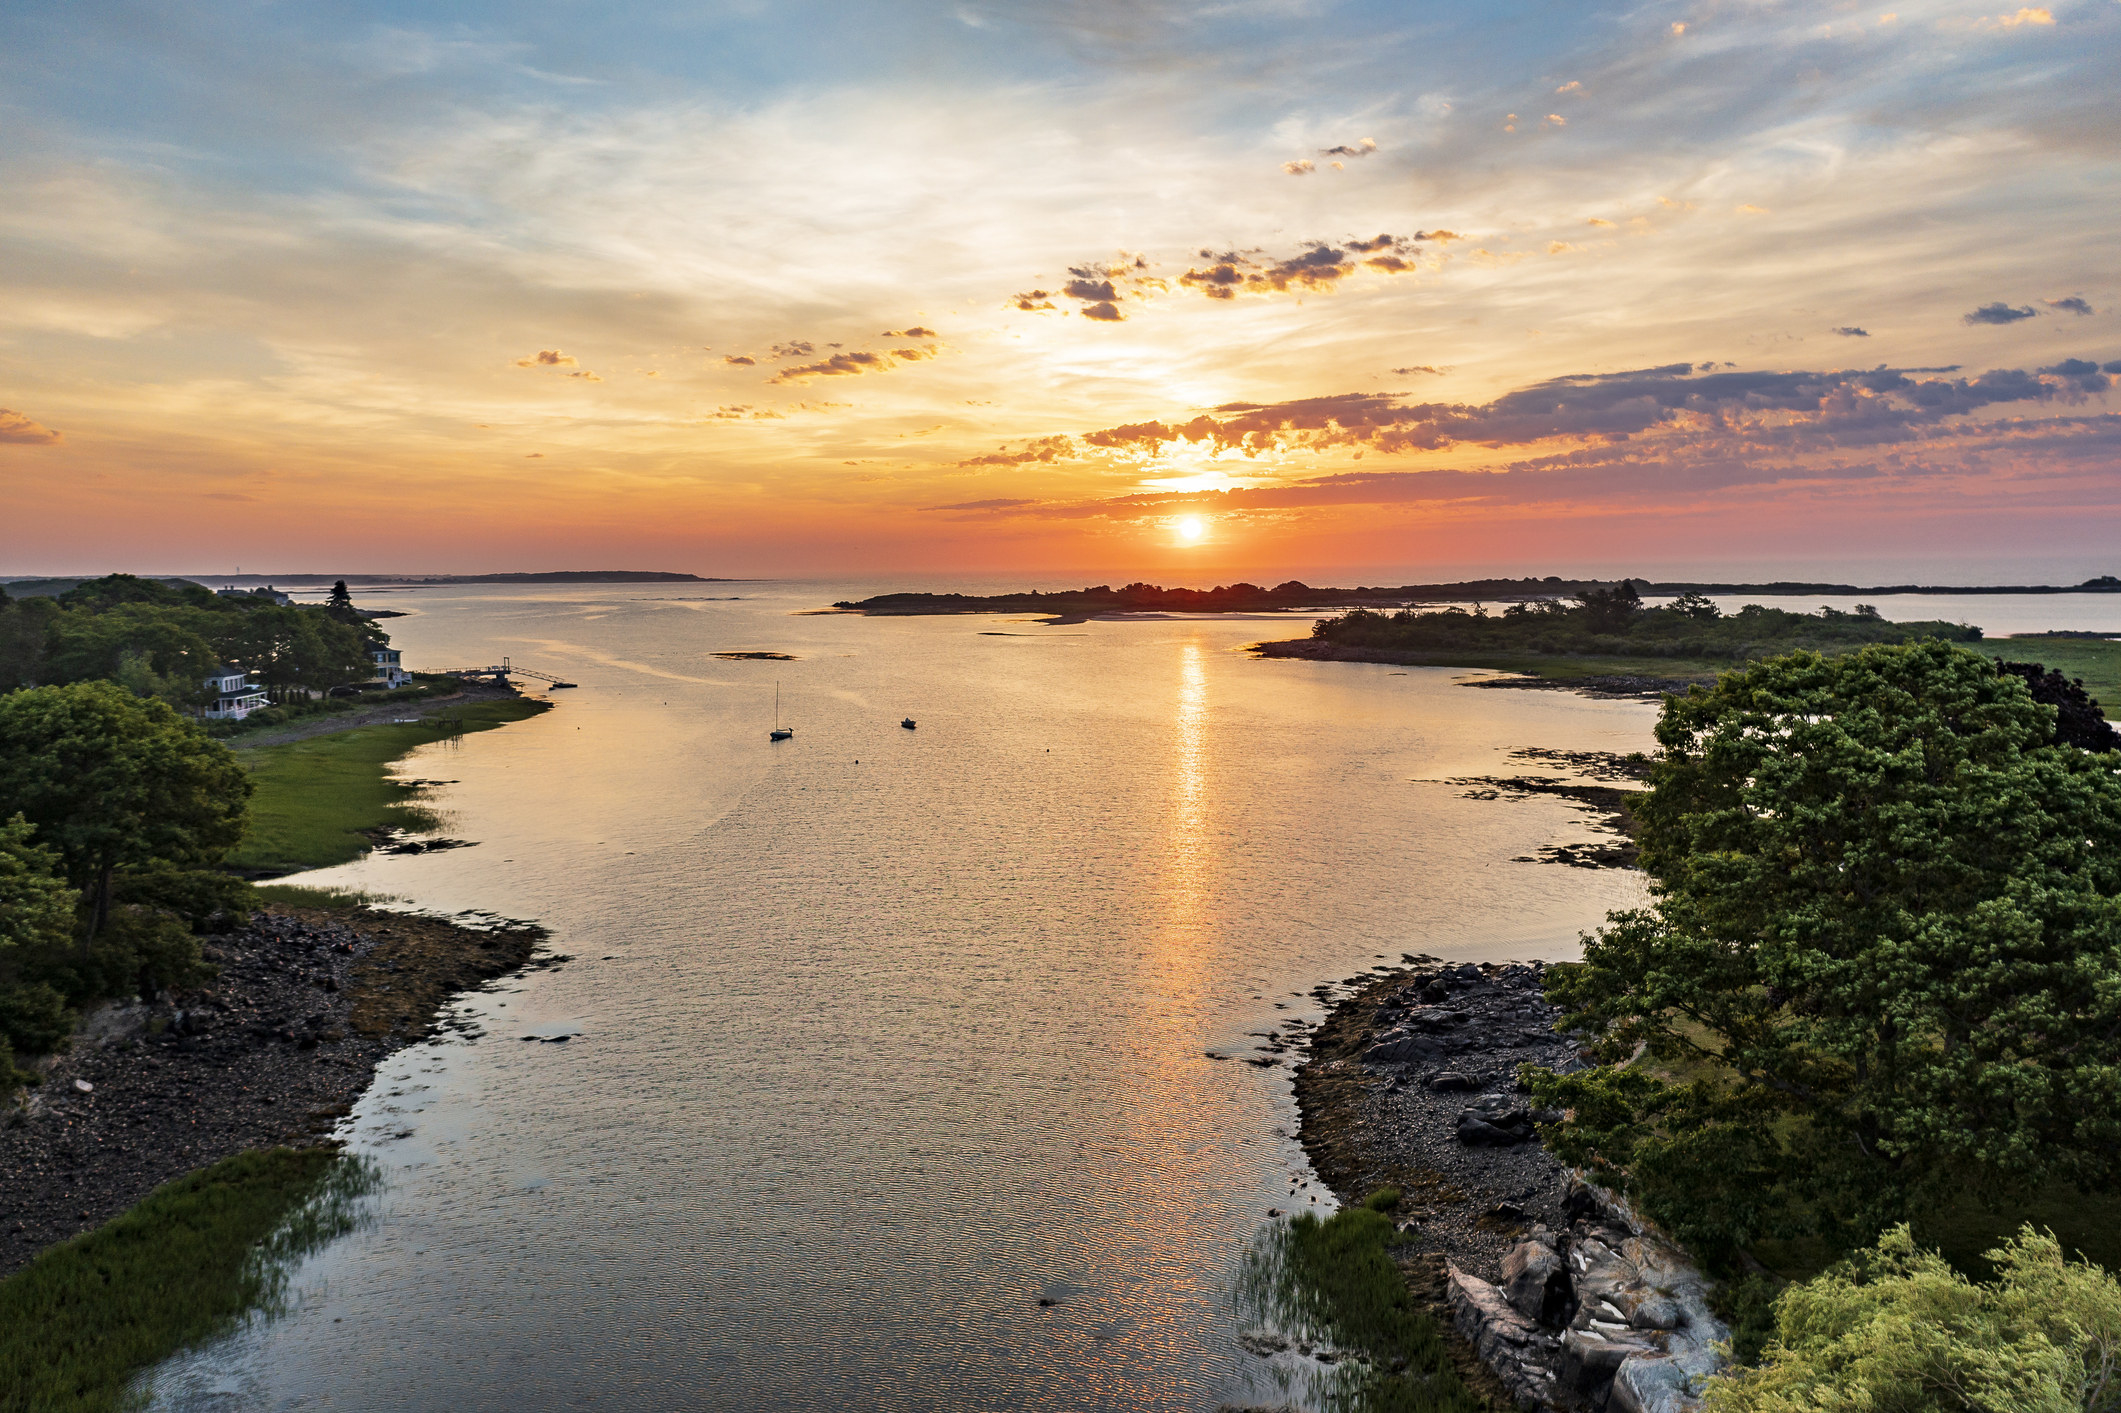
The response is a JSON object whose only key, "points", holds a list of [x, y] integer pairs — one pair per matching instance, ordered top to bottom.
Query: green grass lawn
{"points": [[2097, 662], [316, 798], [80, 1322]]}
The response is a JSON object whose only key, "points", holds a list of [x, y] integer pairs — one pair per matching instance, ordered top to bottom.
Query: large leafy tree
{"points": [[295, 648], [158, 649], [113, 781], [1885, 951]]}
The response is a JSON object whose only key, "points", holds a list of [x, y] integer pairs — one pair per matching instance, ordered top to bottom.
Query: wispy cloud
{"points": [[1998, 313], [19, 429]]}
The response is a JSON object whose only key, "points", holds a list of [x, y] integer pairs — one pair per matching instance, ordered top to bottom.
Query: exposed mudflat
{"points": [[273, 1050]]}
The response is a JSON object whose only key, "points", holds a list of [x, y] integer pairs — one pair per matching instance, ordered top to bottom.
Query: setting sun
{"points": [[1191, 529]]}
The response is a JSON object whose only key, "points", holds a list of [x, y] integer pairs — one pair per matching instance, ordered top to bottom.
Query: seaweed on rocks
{"points": [[1596, 789]]}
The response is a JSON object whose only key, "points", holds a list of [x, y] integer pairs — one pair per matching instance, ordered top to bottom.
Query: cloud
{"points": [[2029, 15], [1572, 86], [1361, 149], [1301, 167], [1319, 266], [1098, 289], [2073, 304], [1998, 313], [1850, 331], [916, 332], [794, 348], [913, 355], [547, 358], [740, 360], [839, 365], [1419, 368], [584, 373], [2082, 374], [1678, 407], [18, 429], [1039, 449], [1003, 504]]}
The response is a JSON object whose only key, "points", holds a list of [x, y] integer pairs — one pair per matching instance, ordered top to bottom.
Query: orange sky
{"points": [[1022, 288]]}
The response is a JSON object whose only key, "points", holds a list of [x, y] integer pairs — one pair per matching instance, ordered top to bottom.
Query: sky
{"points": [[1174, 290]]}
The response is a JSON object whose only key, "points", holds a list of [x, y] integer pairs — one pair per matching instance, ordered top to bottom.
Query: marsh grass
{"points": [[2097, 663], [319, 801], [332, 900], [189, 1263], [1332, 1285]]}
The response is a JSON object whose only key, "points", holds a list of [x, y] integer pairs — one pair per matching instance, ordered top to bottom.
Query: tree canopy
{"points": [[1612, 620], [162, 640], [113, 781], [1885, 951]]}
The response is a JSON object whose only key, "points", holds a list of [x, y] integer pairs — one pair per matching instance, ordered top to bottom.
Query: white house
{"points": [[389, 670], [235, 696]]}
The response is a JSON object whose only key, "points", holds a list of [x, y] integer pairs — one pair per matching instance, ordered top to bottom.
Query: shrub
{"points": [[1896, 1328]]}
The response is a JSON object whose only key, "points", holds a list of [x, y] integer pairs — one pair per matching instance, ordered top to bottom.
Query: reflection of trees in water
{"points": [[1327, 1309]]}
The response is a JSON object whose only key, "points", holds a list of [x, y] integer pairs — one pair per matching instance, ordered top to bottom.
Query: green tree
{"points": [[340, 603], [1696, 606], [24, 625], [300, 648], [159, 649], [112, 781], [36, 906], [36, 914], [1886, 941], [1897, 1330]]}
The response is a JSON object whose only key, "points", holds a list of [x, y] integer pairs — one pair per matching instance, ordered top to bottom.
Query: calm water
{"points": [[884, 1035]]}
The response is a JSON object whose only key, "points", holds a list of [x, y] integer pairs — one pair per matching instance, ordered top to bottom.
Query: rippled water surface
{"points": [[882, 1037]]}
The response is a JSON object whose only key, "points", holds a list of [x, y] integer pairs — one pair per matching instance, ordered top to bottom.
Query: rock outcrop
{"points": [[1566, 1294], [1605, 1314]]}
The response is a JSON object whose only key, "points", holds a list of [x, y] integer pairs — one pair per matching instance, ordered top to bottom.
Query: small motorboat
{"points": [[907, 723]]}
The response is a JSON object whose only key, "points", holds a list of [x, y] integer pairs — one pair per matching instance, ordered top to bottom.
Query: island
{"points": [[1295, 595]]}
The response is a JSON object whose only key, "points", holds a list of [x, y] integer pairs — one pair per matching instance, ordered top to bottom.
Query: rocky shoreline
{"points": [[274, 1050], [1563, 1298]]}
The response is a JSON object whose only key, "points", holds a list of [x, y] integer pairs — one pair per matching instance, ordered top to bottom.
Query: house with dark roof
{"points": [[269, 594], [390, 670], [233, 695]]}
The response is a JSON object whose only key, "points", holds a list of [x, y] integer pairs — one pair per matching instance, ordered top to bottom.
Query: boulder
{"points": [[1400, 1046], [1446, 1080], [1494, 1118], [1536, 1282], [1522, 1355], [1649, 1383]]}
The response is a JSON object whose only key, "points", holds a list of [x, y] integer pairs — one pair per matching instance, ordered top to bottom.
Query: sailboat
{"points": [[779, 732]]}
